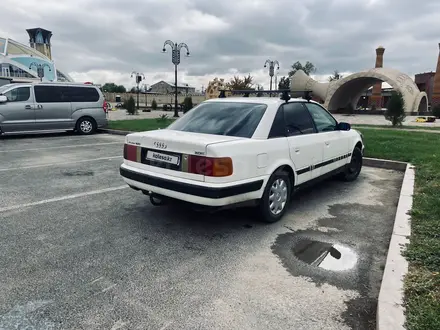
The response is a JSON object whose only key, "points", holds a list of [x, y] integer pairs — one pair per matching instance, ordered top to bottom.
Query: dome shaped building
{"points": [[20, 63]]}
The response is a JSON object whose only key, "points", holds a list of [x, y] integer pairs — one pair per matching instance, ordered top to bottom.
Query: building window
{"points": [[2, 45], [15, 71]]}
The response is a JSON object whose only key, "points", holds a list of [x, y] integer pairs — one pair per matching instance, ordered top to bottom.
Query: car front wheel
{"points": [[354, 167], [276, 197]]}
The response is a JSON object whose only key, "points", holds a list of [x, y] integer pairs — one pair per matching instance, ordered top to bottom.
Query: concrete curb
{"points": [[115, 131], [387, 164], [390, 309]]}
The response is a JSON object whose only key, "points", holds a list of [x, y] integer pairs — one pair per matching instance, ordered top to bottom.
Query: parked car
{"points": [[52, 106], [228, 151]]}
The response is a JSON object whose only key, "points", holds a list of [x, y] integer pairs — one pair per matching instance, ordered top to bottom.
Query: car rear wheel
{"points": [[86, 126], [354, 168], [276, 197]]}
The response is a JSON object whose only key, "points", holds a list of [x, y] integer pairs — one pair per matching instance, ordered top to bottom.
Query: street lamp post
{"points": [[176, 61], [40, 69], [271, 69], [139, 77]]}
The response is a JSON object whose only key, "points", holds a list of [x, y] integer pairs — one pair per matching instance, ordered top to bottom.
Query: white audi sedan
{"points": [[230, 151]]}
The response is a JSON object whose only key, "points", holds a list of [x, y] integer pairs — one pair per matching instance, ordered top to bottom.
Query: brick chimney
{"points": [[376, 96], [435, 100]]}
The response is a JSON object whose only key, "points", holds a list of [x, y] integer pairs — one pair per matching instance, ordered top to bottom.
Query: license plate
{"points": [[163, 158]]}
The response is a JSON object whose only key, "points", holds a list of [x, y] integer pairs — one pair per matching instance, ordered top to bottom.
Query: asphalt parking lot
{"points": [[80, 250]]}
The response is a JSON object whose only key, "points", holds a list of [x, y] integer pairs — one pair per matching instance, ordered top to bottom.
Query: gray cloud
{"points": [[107, 39]]}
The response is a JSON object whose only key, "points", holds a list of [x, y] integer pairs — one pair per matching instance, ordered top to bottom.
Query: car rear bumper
{"points": [[202, 194]]}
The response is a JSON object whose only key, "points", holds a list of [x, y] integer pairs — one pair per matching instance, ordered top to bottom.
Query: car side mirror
{"points": [[3, 99], [344, 126]]}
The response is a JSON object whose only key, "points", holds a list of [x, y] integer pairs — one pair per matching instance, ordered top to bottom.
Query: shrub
{"points": [[187, 104], [130, 105], [154, 105], [373, 107], [436, 111], [395, 112], [162, 119]]}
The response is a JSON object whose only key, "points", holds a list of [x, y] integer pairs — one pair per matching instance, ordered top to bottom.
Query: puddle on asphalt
{"points": [[333, 257]]}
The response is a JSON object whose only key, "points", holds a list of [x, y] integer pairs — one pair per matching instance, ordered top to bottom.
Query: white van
{"points": [[51, 106]]}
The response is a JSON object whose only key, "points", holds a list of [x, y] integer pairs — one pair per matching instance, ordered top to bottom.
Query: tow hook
{"points": [[156, 201]]}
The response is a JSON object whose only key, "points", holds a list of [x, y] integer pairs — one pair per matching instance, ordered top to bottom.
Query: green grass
{"points": [[138, 125], [396, 128], [422, 284]]}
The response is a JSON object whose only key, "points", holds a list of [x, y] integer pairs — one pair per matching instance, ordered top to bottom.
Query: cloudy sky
{"points": [[105, 40]]}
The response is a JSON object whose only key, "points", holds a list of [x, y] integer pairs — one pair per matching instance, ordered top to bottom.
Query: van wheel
{"points": [[86, 126], [276, 197]]}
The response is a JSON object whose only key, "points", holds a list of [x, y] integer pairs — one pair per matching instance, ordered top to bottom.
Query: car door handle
{"points": [[39, 106], [27, 107], [327, 143], [296, 150]]}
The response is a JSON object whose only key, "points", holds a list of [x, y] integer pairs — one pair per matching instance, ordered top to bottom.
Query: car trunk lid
{"points": [[172, 152]]}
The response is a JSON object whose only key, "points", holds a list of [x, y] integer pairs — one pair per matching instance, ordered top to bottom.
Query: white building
{"points": [[20, 62], [163, 87]]}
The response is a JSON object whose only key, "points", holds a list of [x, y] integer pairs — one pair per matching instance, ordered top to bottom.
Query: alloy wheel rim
{"points": [[86, 126], [277, 196]]}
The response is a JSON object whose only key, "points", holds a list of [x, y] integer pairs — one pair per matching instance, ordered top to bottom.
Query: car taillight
{"points": [[104, 106], [131, 152], [210, 166]]}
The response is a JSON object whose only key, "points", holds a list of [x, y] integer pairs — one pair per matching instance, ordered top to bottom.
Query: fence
{"points": [[160, 98]]}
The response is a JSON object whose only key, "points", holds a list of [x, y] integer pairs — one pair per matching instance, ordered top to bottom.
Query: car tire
{"points": [[86, 126], [354, 168], [276, 197]]}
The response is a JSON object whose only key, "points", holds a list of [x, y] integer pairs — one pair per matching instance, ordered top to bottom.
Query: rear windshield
{"points": [[222, 118]]}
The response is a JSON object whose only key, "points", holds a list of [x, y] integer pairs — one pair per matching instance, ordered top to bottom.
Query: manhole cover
{"points": [[324, 255]]}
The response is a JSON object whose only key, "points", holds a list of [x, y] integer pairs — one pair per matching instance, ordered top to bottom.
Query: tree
{"points": [[308, 68], [336, 76], [236, 83], [284, 83], [113, 88], [120, 89], [133, 90], [154, 104], [187, 104], [130, 105], [395, 112]]}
